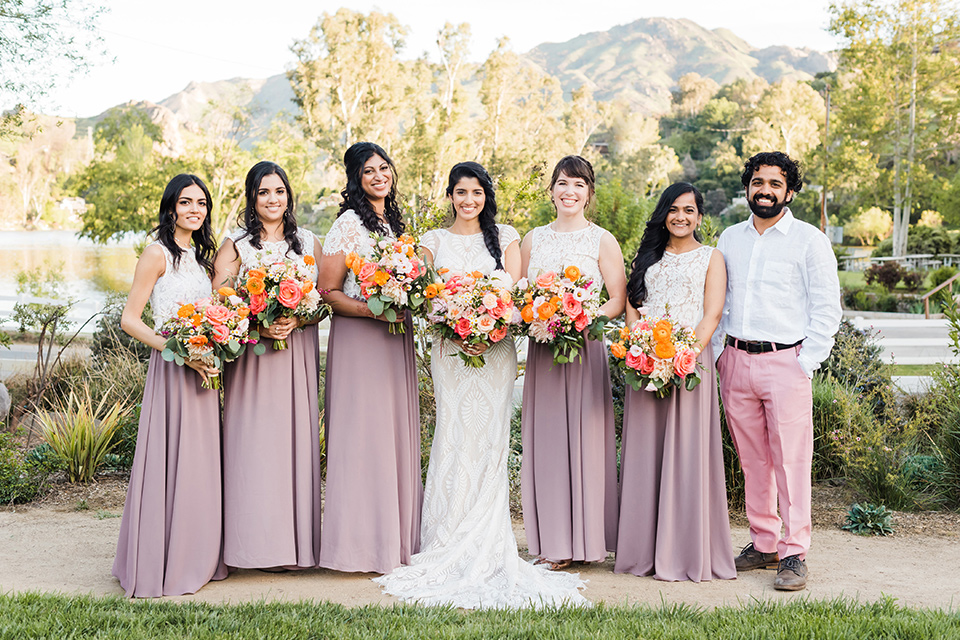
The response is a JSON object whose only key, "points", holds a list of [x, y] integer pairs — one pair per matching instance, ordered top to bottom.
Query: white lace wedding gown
{"points": [[468, 554]]}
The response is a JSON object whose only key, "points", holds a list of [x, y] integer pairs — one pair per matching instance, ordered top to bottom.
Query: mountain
{"points": [[641, 62]]}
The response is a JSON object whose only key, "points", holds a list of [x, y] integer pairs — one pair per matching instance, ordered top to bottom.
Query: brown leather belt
{"points": [[759, 346]]}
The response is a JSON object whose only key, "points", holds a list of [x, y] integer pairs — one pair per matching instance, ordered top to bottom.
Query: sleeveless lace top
{"points": [[348, 234], [553, 251], [270, 252], [466, 253], [678, 281], [178, 286]]}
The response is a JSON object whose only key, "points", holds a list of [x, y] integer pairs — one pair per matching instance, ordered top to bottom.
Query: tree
{"points": [[45, 41], [346, 80], [897, 95], [787, 118], [126, 178], [869, 225]]}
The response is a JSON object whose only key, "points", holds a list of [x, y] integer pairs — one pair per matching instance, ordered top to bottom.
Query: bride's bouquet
{"points": [[393, 279], [283, 289], [472, 307], [557, 308], [210, 330], [657, 355]]}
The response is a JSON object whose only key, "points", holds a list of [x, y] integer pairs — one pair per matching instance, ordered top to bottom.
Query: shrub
{"points": [[920, 240], [887, 274], [938, 277], [913, 279], [109, 337], [944, 404], [81, 434], [22, 477], [866, 519]]}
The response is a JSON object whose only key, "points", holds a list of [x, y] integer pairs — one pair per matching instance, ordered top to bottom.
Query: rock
{"points": [[4, 402]]}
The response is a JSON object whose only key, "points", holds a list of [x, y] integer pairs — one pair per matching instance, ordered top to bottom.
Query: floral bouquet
{"points": [[393, 279], [283, 289], [472, 307], [556, 308], [211, 331], [657, 355]]}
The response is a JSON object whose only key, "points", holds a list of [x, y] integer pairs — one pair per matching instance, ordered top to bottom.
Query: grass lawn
{"points": [[912, 369], [38, 616]]}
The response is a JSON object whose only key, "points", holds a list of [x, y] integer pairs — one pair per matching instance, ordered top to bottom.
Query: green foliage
{"points": [[622, 213], [921, 241], [938, 277], [81, 433], [22, 477], [869, 519]]}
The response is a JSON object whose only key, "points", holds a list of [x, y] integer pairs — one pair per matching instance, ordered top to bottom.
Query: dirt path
{"points": [[50, 549]]}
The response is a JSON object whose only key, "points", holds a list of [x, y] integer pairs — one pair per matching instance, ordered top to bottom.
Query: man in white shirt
{"points": [[780, 315]]}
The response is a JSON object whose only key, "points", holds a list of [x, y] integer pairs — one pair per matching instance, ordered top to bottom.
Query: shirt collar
{"points": [[782, 225]]}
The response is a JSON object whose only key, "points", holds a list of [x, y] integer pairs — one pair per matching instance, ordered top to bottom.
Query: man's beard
{"points": [[766, 212]]}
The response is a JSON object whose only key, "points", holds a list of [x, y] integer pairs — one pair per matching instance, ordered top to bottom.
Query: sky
{"points": [[154, 49]]}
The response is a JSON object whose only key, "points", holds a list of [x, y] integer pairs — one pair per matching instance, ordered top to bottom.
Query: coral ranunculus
{"points": [[308, 260], [571, 272], [258, 274], [381, 277], [546, 279], [255, 286], [307, 287], [431, 291], [226, 292], [289, 294], [258, 302], [546, 310], [186, 311], [196, 319], [662, 331], [221, 333], [498, 334], [198, 340], [618, 350], [665, 350], [685, 362]]}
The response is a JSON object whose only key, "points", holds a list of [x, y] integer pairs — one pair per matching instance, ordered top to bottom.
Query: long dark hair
{"points": [[355, 198], [487, 217], [250, 221], [655, 238], [204, 246]]}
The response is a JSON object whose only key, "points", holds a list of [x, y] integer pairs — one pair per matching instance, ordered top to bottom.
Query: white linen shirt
{"points": [[782, 286]]}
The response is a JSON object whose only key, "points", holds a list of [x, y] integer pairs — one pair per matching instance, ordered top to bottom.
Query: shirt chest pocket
{"points": [[780, 275]]}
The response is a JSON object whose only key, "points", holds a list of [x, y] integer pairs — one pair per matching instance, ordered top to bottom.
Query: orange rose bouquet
{"points": [[393, 279], [283, 289], [473, 308], [557, 308], [210, 330], [656, 355]]}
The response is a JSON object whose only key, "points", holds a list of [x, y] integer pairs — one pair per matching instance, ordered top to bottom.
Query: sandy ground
{"points": [[54, 548]]}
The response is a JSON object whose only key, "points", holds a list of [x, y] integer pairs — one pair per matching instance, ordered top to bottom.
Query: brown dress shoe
{"points": [[750, 559], [791, 574]]}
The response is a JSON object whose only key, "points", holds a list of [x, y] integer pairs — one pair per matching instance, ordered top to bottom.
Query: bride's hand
{"points": [[470, 349]]}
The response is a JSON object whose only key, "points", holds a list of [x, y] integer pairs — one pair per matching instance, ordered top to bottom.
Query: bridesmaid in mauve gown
{"points": [[271, 416], [568, 475], [373, 486], [673, 502], [170, 535]]}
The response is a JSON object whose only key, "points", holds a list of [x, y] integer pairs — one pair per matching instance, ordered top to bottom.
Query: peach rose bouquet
{"points": [[392, 279], [283, 289], [472, 308], [561, 309], [211, 330], [657, 355]]}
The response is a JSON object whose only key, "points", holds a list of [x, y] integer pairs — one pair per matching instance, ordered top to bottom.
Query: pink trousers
{"points": [[768, 403]]}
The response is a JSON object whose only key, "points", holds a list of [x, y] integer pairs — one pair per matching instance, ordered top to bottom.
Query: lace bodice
{"points": [[348, 234], [553, 251], [270, 252], [466, 253], [678, 280], [177, 286]]}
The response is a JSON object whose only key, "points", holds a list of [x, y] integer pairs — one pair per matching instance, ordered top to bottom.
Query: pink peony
{"points": [[289, 294], [258, 302], [571, 306], [217, 314], [463, 327], [221, 333], [498, 334], [685, 362]]}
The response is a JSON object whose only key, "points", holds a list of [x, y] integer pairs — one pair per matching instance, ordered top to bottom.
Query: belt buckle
{"points": [[753, 346]]}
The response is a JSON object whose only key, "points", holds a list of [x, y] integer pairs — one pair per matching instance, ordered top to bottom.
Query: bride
{"points": [[468, 554]]}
